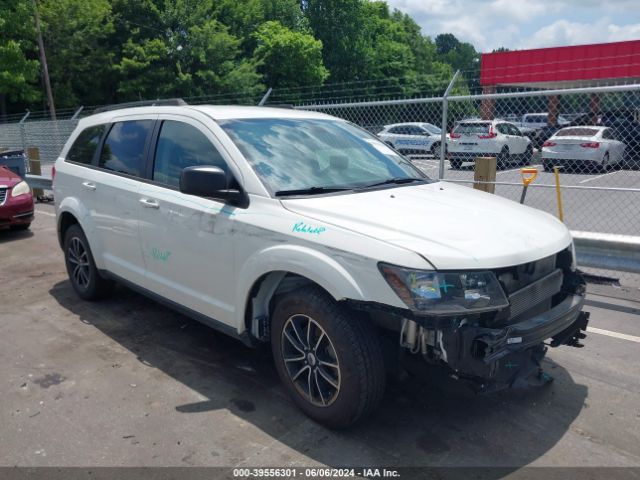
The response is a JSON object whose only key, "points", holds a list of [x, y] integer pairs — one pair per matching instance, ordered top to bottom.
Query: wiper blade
{"points": [[393, 181], [310, 191]]}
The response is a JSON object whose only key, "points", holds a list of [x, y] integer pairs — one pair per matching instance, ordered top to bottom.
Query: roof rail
{"points": [[143, 103]]}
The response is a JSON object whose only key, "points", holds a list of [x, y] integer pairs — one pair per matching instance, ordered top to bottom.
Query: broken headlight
{"points": [[445, 293]]}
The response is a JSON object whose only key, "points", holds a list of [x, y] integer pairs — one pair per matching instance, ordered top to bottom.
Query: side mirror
{"points": [[210, 182]]}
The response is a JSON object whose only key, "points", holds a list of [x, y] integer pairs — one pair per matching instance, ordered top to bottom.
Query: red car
{"points": [[16, 201]]}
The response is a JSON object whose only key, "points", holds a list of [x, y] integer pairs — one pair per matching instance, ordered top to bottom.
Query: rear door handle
{"points": [[89, 185], [149, 203]]}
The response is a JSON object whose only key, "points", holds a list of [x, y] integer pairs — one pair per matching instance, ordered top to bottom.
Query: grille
{"points": [[3, 195], [535, 293]]}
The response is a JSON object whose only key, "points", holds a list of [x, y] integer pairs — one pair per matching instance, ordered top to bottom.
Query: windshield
{"points": [[472, 128], [432, 129], [302, 154]]}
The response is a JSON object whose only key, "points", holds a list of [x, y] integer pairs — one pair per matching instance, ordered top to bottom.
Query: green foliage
{"points": [[106, 51], [288, 58], [80, 63], [18, 65]]}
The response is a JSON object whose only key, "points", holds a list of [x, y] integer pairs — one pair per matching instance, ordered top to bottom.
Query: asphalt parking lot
{"points": [[127, 382]]}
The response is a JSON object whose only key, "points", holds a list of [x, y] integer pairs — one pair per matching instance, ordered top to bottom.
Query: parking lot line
{"points": [[508, 171], [599, 176], [609, 333]]}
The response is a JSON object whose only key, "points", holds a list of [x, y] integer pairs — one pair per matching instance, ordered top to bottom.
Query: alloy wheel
{"points": [[78, 258], [310, 360]]}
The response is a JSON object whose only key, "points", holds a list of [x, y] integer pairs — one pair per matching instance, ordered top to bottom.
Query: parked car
{"points": [[536, 121], [626, 123], [543, 134], [413, 138], [470, 139], [583, 147], [16, 201], [300, 230]]}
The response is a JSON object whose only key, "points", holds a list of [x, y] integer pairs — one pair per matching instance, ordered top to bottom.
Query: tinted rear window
{"points": [[472, 128], [577, 132], [85, 146], [123, 149]]}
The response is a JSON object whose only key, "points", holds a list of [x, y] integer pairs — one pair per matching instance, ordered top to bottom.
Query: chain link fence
{"points": [[591, 136]]}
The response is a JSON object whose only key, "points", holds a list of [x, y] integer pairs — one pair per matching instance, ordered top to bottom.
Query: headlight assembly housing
{"points": [[20, 189], [445, 293]]}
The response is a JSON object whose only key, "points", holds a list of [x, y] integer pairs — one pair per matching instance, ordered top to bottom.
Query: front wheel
{"points": [[435, 150], [527, 156], [503, 158], [83, 274], [328, 357]]}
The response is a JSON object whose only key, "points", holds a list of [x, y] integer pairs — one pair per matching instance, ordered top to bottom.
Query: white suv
{"points": [[493, 138], [303, 231]]}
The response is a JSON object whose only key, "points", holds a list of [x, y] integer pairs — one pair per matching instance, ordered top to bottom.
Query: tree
{"points": [[338, 24], [76, 36], [181, 50], [288, 58], [19, 67]]}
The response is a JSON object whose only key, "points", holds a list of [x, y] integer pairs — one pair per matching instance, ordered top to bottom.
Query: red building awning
{"points": [[562, 67]]}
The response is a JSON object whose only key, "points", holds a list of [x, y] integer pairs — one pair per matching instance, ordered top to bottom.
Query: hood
{"points": [[8, 178], [452, 226]]}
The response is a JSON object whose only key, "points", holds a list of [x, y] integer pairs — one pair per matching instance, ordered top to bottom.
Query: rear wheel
{"points": [[83, 274], [328, 357]]}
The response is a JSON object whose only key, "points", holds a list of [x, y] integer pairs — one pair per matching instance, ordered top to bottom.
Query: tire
{"points": [[435, 150], [527, 156], [503, 158], [455, 164], [22, 227], [83, 274], [348, 390]]}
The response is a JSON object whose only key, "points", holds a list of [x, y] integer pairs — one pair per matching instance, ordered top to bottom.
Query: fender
{"points": [[76, 208], [307, 262]]}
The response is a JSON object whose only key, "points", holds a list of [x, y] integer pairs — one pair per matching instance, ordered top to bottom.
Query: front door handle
{"points": [[89, 185], [148, 203]]}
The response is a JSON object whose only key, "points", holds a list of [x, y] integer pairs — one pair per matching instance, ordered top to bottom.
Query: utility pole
{"points": [[43, 61]]}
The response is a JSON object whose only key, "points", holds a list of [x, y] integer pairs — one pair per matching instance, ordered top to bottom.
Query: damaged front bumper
{"points": [[506, 351], [496, 358]]}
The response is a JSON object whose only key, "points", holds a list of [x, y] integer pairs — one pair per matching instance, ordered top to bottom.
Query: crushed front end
{"points": [[503, 337]]}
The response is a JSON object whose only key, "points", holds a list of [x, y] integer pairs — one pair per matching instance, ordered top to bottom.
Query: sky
{"points": [[521, 24]]}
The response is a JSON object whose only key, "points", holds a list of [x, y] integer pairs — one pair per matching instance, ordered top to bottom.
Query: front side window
{"points": [[503, 128], [413, 130], [85, 146], [179, 146], [123, 149], [292, 154]]}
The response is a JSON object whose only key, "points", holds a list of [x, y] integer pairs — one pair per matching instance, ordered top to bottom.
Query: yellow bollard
{"points": [[556, 173]]}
